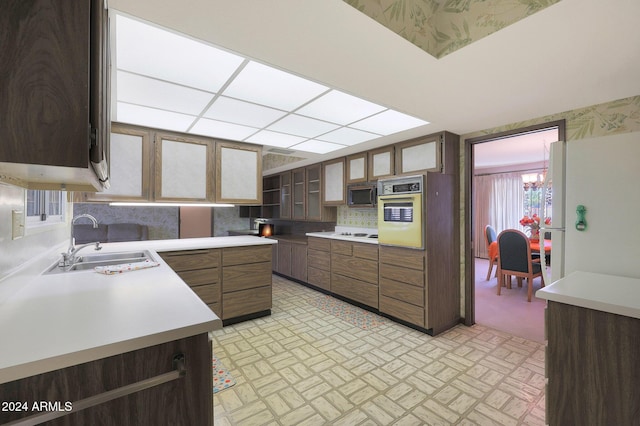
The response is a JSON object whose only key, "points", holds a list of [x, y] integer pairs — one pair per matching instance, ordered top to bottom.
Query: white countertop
{"points": [[338, 236], [607, 293], [48, 322]]}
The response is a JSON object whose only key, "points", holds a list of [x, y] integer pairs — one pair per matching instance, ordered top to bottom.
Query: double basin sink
{"points": [[90, 261]]}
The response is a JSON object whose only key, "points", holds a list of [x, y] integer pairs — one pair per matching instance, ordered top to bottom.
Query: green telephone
{"points": [[581, 222]]}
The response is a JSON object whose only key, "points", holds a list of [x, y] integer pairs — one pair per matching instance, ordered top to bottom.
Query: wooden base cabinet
{"points": [[319, 262], [354, 271], [592, 367], [185, 400]]}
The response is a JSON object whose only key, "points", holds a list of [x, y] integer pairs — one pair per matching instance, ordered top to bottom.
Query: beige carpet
{"points": [[510, 312]]}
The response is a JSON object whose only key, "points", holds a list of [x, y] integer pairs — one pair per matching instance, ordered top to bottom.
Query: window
{"points": [[533, 193], [45, 207]]}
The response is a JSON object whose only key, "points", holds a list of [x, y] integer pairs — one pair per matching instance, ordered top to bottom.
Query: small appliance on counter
{"points": [[400, 211], [266, 230]]}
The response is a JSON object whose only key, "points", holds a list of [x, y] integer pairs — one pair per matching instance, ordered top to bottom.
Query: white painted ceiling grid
{"points": [[166, 80]]}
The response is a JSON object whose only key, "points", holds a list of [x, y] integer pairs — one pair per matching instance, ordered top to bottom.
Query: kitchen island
{"points": [[592, 324], [70, 336]]}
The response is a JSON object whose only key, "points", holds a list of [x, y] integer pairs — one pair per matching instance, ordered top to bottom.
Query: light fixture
{"points": [[171, 81], [151, 204]]}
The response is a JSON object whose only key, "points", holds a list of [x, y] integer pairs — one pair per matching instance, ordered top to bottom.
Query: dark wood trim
{"points": [[469, 291]]}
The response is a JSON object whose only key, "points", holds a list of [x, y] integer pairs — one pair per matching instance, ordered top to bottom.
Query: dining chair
{"points": [[492, 249], [514, 259]]}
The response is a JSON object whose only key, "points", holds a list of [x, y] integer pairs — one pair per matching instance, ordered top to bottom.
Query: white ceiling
{"points": [[570, 55], [525, 148]]}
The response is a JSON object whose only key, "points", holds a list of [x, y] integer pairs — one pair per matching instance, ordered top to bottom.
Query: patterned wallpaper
{"points": [[440, 27], [271, 161], [359, 218]]}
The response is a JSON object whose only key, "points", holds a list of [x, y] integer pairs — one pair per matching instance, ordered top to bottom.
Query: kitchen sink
{"points": [[88, 262]]}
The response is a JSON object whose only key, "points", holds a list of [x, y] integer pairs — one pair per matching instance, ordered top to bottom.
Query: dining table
{"points": [[534, 244]]}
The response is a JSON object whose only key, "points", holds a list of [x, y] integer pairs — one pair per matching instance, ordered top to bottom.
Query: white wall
{"points": [[14, 253]]}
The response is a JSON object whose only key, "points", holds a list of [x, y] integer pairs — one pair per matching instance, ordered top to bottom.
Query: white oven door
{"points": [[400, 220]]}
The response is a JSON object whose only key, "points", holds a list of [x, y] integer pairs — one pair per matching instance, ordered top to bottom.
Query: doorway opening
{"points": [[502, 175]]}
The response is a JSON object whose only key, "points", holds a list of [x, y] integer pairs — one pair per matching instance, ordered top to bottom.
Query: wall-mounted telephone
{"points": [[581, 222]]}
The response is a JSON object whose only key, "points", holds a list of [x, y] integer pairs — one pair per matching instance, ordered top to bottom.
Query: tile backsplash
{"points": [[359, 218]]}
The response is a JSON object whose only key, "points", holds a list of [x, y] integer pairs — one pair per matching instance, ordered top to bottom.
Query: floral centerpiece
{"points": [[533, 223]]}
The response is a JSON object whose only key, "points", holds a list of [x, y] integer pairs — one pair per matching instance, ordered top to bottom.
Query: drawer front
{"points": [[321, 244], [342, 247], [365, 251], [242, 255], [402, 257], [192, 259], [319, 259], [361, 269], [405, 275], [200, 276], [241, 277], [319, 278], [354, 289], [403, 292], [208, 293], [246, 302], [401, 310]]}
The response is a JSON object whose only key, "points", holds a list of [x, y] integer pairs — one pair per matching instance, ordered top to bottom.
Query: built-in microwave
{"points": [[362, 194]]}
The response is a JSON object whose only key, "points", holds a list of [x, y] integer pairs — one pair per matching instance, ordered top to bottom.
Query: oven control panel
{"points": [[400, 185]]}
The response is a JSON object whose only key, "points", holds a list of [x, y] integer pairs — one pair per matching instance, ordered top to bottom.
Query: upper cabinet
{"points": [[54, 103], [433, 153], [381, 163], [357, 165], [131, 167], [184, 168], [238, 173], [298, 183], [313, 186], [334, 186], [286, 198]]}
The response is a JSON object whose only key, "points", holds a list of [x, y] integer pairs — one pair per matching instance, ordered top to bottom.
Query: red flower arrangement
{"points": [[533, 223]]}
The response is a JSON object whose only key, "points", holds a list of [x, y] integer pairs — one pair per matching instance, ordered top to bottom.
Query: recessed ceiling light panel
{"points": [[149, 50], [268, 86], [136, 89], [338, 107], [239, 112], [151, 117], [388, 122], [302, 126], [220, 129], [347, 136], [266, 137], [319, 147]]}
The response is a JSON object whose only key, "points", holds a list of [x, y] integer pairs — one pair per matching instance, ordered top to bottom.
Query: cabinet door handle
{"points": [[178, 372]]}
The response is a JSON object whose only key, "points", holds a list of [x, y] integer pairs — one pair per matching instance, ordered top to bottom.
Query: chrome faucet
{"points": [[69, 258]]}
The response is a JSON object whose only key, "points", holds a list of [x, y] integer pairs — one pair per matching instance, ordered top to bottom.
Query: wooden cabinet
{"points": [[54, 103], [434, 153], [381, 163], [131, 166], [183, 168], [357, 168], [238, 173], [333, 175], [298, 182], [313, 187], [271, 197], [286, 197], [292, 258], [319, 262], [200, 269], [354, 271], [246, 282], [402, 284], [592, 367], [185, 400]]}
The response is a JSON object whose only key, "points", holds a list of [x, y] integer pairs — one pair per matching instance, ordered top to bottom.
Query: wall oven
{"points": [[400, 212]]}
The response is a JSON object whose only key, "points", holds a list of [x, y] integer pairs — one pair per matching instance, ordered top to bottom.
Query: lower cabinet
{"points": [[292, 258], [319, 262], [200, 269], [354, 271], [246, 281], [234, 282], [402, 284], [184, 400]]}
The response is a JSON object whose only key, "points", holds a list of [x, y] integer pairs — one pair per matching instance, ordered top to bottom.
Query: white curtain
{"points": [[498, 201]]}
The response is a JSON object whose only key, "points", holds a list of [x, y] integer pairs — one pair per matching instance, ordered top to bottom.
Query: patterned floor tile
{"points": [[303, 366]]}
